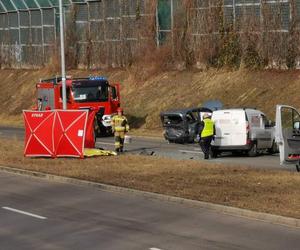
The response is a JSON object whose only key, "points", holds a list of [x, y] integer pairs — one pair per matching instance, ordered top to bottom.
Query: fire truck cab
{"points": [[82, 93]]}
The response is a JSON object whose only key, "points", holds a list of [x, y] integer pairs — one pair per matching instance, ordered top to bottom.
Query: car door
{"points": [[192, 123], [288, 134]]}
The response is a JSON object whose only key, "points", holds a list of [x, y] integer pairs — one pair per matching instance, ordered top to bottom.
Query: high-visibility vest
{"points": [[120, 124], [208, 129]]}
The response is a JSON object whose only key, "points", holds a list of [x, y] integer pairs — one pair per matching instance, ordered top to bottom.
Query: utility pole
{"points": [[62, 53]]}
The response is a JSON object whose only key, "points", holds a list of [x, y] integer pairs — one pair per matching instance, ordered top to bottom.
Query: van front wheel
{"points": [[273, 149], [253, 150]]}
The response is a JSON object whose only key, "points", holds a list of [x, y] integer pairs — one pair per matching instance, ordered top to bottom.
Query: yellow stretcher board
{"points": [[93, 152]]}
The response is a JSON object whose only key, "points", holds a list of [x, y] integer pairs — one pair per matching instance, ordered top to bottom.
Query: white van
{"points": [[245, 130]]}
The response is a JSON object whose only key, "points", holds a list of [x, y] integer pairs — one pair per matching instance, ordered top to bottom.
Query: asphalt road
{"points": [[161, 148], [39, 214]]}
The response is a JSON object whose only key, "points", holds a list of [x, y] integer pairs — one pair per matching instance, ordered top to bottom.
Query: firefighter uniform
{"points": [[120, 127], [206, 135]]}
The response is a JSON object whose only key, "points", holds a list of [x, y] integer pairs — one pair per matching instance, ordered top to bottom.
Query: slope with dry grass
{"points": [[148, 91]]}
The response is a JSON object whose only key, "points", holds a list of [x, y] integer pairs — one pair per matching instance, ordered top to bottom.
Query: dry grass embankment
{"points": [[146, 93], [275, 192]]}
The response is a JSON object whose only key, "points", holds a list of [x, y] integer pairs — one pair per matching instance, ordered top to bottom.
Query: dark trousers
{"points": [[205, 145]]}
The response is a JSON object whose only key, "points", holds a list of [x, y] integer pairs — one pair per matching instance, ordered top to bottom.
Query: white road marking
{"points": [[105, 143], [188, 151], [25, 213], [154, 248]]}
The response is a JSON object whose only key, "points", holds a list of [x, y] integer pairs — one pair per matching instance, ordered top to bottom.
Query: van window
{"points": [[289, 117], [255, 121], [265, 121]]}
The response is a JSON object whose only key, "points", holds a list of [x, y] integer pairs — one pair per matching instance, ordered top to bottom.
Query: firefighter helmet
{"points": [[120, 110]]}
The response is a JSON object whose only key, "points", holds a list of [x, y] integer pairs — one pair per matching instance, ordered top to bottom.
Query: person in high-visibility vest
{"points": [[120, 127], [207, 132]]}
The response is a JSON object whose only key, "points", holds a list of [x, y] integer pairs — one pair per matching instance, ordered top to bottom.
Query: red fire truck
{"points": [[82, 93]]}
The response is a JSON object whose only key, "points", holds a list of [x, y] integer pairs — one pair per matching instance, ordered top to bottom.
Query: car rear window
{"points": [[172, 120]]}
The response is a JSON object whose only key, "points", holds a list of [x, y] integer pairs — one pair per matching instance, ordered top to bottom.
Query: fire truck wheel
{"points": [[96, 128], [103, 131], [109, 132]]}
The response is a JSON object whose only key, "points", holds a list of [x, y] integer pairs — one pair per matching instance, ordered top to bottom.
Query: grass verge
{"points": [[275, 192]]}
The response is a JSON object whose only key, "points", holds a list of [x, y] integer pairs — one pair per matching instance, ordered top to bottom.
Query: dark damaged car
{"points": [[182, 126]]}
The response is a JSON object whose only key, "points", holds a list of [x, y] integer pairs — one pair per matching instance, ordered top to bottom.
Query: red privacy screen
{"points": [[56, 133]]}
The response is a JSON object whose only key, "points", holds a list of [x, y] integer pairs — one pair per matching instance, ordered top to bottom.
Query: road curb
{"points": [[274, 219]]}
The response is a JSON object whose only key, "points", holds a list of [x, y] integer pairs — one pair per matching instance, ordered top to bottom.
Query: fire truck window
{"points": [[67, 93], [90, 93], [114, 93]]}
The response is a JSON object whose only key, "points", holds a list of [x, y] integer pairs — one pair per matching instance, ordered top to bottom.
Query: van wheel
{"points": [[273, 149], [253, 150], [214, 153], [236, 153]]}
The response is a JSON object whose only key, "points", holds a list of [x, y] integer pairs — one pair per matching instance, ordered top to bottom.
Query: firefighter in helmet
{"points": [[120, 127]]}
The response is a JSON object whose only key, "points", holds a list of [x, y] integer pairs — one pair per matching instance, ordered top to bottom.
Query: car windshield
{"points": [[90, 93]]}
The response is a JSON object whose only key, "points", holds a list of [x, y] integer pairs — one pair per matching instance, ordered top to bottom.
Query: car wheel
{"points": [[191, 140], [181, 141], [252, 152]]}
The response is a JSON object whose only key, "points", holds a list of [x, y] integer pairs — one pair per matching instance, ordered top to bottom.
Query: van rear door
{"points": [[230, 127], [239, 128], [288, 134]]}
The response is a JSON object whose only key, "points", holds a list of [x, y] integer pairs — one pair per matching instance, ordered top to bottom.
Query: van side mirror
{"points": [[269, 124], [297, 125]]}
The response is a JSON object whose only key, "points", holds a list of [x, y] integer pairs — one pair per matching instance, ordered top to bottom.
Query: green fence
{"points": [[29, 30], [110, 32]]}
